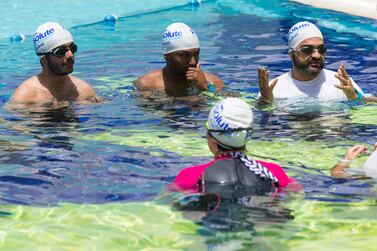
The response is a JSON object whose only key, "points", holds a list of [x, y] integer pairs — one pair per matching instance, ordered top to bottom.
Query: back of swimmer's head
{"points": [[302, 31], [49, 36], [179, 36], [230, 123]]}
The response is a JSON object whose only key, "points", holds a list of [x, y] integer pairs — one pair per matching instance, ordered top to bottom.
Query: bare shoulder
{"points": [[215, 80], [150, 81], [79, 82], [84, 87], [27, 92]]}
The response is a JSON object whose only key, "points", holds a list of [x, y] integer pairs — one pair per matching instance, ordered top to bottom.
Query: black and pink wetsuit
{"points": [[188, 179]]}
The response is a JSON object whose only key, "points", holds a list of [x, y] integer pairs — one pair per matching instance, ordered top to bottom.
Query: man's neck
{"points": [[300, 76], [53, 81], [174, 81]]}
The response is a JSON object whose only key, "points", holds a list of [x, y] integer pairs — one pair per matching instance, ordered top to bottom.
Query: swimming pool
{"points": [[90, 177]]}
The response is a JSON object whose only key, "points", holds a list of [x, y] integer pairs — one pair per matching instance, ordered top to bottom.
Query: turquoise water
{"points": [[70, 13], [93, 177]]}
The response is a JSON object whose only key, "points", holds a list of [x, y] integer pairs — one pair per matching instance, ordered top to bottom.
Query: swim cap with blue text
{"points": [[301, 31], [50, 35], [179, 36], [229, 114]]}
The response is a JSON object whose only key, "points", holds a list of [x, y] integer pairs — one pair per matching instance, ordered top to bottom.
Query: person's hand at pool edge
{"points": [[265, 86], [352, 153]]}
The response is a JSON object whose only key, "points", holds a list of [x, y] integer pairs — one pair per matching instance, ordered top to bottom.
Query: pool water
{"points": [[93, 177]]}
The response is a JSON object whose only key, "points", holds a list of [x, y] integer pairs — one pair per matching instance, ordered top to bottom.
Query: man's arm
{"points": [[203, 80], [215, 80], [150, 81], [265, 87], [350, 90], [86, 91], [24, 93], [369, 99], [352, 153]]}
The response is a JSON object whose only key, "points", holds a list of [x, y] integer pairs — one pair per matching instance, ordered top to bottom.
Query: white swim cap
{"points": [[301, 31], [50, 35], [179, 36], [226, 121]]}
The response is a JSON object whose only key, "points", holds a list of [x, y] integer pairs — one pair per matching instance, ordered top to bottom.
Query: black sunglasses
{"points": [[308, 49], [62, 50]]}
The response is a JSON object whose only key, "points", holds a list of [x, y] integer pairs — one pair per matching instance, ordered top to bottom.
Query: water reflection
{"points": [[183, 112], [310, 119], [52, 124], [233, 222]]}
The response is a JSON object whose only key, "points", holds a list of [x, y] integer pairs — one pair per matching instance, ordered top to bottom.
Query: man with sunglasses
{"points": [[56, 48], [182, 74], [308, 78]]}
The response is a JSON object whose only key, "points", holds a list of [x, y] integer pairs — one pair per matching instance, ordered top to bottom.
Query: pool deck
{"points": [[364, 8]]}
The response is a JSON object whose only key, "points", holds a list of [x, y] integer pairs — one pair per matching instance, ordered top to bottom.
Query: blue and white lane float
{"points": [[17, 38]]}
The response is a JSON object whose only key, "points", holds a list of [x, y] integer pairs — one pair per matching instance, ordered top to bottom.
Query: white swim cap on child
{"points": [[301, 31], [50, 35], [179, 36], [227, 115]]}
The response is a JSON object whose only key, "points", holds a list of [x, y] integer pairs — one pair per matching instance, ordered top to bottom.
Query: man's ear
{"points": [[290, 53], [42, 60]]}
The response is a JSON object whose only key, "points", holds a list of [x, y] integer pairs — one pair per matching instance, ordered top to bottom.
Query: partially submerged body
{"points": [[55, 47], [182, 73], [308, 78], [172, 85], [322, 87], [35, 91], [232, 175], [187, 180]]}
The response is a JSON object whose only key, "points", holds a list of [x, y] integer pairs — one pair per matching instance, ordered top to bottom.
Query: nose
{"points": [[69, 54], [316, 54], [193, 61]]}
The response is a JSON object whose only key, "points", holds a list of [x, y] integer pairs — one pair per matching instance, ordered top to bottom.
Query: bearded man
{"points": [[56, 48], [308, 78]]}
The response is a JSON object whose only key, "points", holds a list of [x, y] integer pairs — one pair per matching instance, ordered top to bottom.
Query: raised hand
{"points": [[196, 76], [345, 83], [265, 87], [355, 151], [352, 153]]}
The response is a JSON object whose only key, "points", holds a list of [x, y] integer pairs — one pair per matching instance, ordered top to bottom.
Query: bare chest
{"points": [[69, 93]]}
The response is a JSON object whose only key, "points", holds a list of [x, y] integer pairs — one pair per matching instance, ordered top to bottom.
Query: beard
{"points": [[311, 67], [60, 69]]}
